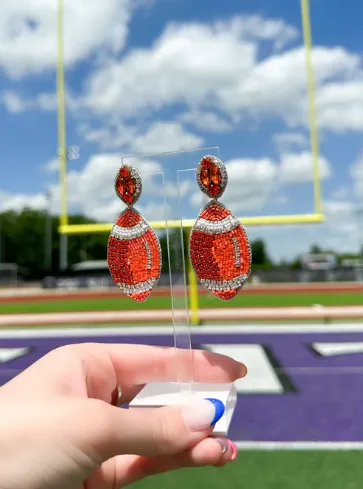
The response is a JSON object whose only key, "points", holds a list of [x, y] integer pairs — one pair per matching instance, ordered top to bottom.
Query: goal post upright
{"points": [[316, 216]]}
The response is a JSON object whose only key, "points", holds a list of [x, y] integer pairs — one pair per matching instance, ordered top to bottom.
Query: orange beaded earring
{"points": [[219, 248], [133, 251]]}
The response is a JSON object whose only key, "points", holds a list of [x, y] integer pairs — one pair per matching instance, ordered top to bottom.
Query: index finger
{"points": [[139, 364], [160, 364], [100, 367]]}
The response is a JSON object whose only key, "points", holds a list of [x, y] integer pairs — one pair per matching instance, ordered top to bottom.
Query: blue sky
{"points": [[165, 75]]}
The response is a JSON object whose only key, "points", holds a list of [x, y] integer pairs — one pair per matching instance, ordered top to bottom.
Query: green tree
{"points": [[23, 237], [23, 242], [178, 248], [315, 249], [259, 253]]}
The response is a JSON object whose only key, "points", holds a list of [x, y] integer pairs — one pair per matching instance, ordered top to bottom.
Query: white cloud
{"points": [[256, 27], [28, 32], [192, 63], [217, 66], [209, 69], [277, 85], [13, 102], [16, 103], [340, 106], [206, 121], [111, 136], [165, 136], [160, 137], [285, 141], [52, 165], [298, 167], [356, 172], [250, 184], [91, 189], [340, 193], [19, 201], [335, 207], [153, 211], [341, 222], [339, 232]]}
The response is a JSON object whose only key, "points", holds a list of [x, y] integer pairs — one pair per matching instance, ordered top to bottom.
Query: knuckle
{"points": [[65, 351], [98, 412], [98, 424], [167, 433]]}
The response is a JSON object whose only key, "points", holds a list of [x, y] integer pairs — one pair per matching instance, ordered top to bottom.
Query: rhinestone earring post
{"points": [[219, 247], [133, 251]]}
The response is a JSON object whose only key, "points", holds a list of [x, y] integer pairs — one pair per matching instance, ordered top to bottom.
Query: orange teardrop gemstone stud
{"points": [[219, 247], [133, 251]]}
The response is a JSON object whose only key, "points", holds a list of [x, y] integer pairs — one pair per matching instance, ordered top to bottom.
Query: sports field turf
{"points": [[162, 302], [316, 398], [270, 470]]}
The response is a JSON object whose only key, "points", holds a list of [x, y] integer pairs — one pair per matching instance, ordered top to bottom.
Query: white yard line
{"points": [[221, 314], [100, 331], [299, 445]]}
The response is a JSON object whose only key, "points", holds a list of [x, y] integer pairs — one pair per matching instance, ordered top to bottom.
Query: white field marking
{"points": [[238, 314], [245, 329], [106, 330], [341, 348], [7, 354], [261, 378], [299, 445]]}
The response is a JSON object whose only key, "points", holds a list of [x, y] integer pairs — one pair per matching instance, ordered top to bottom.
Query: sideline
{"points": [[212, 314], [100, 330], [299, 445]]}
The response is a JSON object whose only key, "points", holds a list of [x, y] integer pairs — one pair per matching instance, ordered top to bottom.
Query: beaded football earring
{"points": [[219, 248], [133, 251]]}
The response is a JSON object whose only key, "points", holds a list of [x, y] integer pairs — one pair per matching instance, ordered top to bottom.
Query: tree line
{"points": [[31, 240]]}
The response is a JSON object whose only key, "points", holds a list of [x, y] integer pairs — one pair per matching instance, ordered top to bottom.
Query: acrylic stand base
{"points": [[158, 394]]}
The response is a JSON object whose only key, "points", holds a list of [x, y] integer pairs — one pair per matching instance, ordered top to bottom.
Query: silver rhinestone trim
{"points": [[134, 172], [224, 176], [217, 227], [134, 232], [249, 250], [148, 252], [237, 253], [205, 281], [148, 284], [222, 285], [138, 288]]}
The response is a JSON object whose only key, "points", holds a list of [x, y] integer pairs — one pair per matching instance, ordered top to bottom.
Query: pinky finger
{"points": [[210, 451], [127, 469]]}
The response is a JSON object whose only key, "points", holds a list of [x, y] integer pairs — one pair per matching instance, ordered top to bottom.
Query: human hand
{"points": [[60, 430]]}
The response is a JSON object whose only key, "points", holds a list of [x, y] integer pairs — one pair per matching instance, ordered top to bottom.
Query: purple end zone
{"points": [[322, 397]]}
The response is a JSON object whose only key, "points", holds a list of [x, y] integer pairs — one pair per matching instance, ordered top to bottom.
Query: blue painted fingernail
{"points": [[219, 409]]}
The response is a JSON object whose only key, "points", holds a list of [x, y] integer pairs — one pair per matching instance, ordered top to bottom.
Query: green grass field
{"points": [[205, 301], [254, 469], [270, 470]]}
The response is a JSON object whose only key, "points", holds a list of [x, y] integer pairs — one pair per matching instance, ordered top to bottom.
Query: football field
{"points": [[298, 419]]}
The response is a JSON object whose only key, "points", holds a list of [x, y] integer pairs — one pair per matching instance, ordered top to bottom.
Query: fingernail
{"points": [[243, 371], [219, 407], [202, 413], [223, 444], [234, 450]]}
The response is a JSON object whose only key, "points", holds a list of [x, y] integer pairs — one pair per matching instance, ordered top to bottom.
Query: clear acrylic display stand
{"points": [[170, 196]]}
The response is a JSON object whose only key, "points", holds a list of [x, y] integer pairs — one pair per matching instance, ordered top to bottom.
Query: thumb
{"points": [[152, 432]]}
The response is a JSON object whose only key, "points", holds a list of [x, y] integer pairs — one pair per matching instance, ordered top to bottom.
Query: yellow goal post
{"points": [[75, 229]]}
